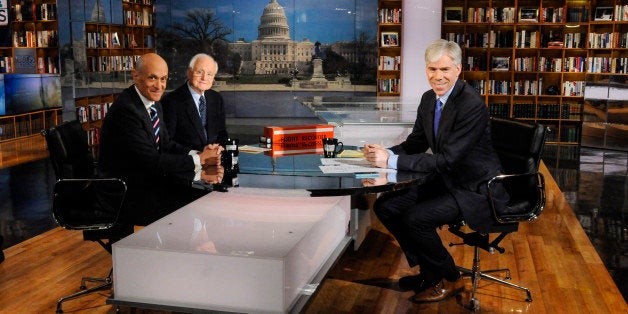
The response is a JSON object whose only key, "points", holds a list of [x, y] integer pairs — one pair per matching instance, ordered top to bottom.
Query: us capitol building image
{"points": [[274, 52]]}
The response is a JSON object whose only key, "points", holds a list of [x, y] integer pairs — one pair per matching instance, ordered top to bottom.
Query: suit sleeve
{"points": [[129, 143]]}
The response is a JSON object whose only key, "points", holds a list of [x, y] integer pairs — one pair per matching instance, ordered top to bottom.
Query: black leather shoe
{"points": [[417, 283], [437, 292]]}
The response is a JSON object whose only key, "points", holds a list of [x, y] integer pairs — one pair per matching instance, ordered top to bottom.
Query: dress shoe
{"points": [[417, 283], [437, 292]]}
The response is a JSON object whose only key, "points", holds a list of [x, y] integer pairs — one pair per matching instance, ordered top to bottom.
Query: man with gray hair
{"points": [[193, 113], [453, 121]]}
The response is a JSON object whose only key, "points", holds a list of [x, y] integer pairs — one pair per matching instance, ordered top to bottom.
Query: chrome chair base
{"points": [[476, 274], [106, 283]]}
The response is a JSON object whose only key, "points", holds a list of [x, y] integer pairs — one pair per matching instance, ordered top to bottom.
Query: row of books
{"points": [[29, 11], [621, 12], [578, 14], [389, 15], [493, 15], [553, 15], [142, 18], [33, 39], [492, 39], [526, 39], [531, 39], [102, 40], [112, 40], [574, 40], [602, 40], [110, 63], [389, 63], [475, 63], [6, 64], [550, 64], [47, 65], [607, 65], [388, 85], [478, 85], [523, 87], [527, 87], [573, 88], [499, 110], [542, 111], [92, 112], [570, 133], [93, 136]]}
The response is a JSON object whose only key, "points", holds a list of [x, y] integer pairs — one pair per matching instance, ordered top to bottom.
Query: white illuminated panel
{"points": [[247, 250]]}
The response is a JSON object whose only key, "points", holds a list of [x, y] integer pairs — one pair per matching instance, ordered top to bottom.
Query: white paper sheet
{"points": [[349, 165]]}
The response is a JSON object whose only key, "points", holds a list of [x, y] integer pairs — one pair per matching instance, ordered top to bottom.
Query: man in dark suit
{"points": [[194, 114], [452, 121], [135, 146]]}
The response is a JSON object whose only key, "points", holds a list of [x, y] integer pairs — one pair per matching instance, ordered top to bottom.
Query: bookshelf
{"points": [[115, 36], [30, 43], [114, 47], [389, 48], [531, 59], [29, 61], [90, 111], [28, 124]]}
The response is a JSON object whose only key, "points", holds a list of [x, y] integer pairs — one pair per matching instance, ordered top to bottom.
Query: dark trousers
{"points": [[412, 216]]}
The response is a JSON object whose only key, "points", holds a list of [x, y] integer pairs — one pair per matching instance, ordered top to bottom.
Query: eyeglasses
{"points": [[202, 73]]}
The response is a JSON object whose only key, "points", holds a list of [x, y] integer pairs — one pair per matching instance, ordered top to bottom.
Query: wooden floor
{"points": [[552, 256]]}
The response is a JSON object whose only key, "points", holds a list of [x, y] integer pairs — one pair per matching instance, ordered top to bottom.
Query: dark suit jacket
{"points": [[183, 121], [128, 151], [463, 155]]}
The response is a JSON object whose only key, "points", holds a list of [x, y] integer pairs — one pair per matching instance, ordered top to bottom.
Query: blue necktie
{"points": [[439, 108], [202, 110], [154, 118]]}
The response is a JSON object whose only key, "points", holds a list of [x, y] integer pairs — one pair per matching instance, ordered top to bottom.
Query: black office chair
{"points": [[519, 146], [82, 200]]}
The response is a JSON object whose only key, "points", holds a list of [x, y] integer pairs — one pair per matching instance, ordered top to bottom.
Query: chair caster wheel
{"points": [[474, 305]]}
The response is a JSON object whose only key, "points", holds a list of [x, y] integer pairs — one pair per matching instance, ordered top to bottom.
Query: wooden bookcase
{"points": [[34, 38], [29, 44], [115, 47], [389, 47], [111, 50], [530, 59], [90, 111], [28, 124]]}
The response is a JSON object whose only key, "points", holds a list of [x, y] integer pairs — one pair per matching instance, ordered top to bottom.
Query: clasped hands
{"points": [[210, 156], [213, 171]]}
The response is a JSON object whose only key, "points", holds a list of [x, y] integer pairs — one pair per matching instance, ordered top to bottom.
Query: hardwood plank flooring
{"points": [[552, 256]]}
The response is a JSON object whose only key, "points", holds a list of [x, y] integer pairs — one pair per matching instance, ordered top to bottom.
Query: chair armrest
{"points": [[525, 196]]}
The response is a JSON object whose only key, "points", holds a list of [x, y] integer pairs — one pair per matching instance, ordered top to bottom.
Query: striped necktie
{"points": [[439, 108], [202, 109], [154, 118]]}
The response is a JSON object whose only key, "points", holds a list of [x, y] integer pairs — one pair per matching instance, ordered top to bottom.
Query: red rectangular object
{"points": [[298, 139]]}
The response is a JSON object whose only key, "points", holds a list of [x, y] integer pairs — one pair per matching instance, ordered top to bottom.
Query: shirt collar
{"points": [[194, 94], [443, 99], [147, 102]]}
